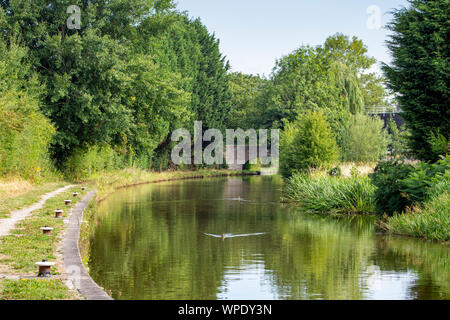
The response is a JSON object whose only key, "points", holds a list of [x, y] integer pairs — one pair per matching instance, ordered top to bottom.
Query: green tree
{"points": [[186, 47], [419, 72], [331, 77], [302, 81], [100, 89], [246, 90], [375, 93], [25, 133], [365, 139], [398, 139], [307, 143]]}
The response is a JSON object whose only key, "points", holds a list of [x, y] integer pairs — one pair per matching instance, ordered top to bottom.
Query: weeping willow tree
{"points": [[332, 77], [349, 87]]}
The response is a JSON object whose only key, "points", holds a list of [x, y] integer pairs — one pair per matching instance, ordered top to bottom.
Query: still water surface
{"points": [[231, 239]]}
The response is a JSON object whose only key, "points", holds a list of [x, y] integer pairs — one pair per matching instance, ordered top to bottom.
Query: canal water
{"points": [[231, 238]]}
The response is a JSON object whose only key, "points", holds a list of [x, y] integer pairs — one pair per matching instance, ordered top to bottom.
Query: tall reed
{"points": [[331, 194], [430, 221]]}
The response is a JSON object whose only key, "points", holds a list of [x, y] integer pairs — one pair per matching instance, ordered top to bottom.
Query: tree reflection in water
{"points": [[150, 243]]}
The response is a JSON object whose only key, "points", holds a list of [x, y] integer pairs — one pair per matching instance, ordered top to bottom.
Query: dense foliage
{"points": [[187, 48], [420, 72], [133, 73], [332, 77], [246, 94], [25, 133], [364, 139], [398, 139], [307, 143], [387, 178], [427, 180], [401, 185], [432, 221]]}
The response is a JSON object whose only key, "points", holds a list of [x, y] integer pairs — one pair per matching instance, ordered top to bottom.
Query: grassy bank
{"points": [[319, 192], [16, 193], [325, 194], [430, 221], [26, 245], [34, 289]]}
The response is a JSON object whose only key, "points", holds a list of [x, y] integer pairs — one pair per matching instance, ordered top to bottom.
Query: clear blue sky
{"points": [[254, 33]]}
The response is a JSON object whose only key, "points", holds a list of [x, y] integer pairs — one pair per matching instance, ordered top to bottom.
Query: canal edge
{"points": [[78, 275]]}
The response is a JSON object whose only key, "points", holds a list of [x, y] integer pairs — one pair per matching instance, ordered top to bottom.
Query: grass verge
{"points": [[17, 194], [27, 245], [34, 289]]}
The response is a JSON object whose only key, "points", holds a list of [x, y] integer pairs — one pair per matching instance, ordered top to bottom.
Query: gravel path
{"points": [[7, 224]]}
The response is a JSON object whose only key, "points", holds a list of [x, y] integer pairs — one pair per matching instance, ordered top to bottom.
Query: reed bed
{"points": [[325, 194], [430, 221]]}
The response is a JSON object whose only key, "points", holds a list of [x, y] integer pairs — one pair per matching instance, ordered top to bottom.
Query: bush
{"points": [[25, 133], [398, 139], [364, 140], [307, 143], [440, 145], [26, 152], [83, 163], [387, 178], [420, 183], [400, 185], [440, 187], [331, 194], [432, 221]]}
